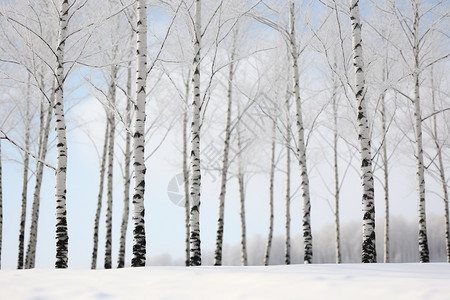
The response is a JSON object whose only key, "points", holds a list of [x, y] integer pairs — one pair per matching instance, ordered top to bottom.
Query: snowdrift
{"points": [[346, 281]]}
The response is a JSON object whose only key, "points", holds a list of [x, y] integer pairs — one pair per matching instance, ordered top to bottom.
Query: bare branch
{"points": [[5, 137]]}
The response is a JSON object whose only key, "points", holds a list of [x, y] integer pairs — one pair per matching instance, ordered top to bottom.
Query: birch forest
{"points": [[188, 132]]}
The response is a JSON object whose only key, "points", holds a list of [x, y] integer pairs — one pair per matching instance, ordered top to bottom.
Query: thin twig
{"points": [[5, 137]]}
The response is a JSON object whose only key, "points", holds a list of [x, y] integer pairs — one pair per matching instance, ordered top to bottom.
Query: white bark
{"points": [[301, 148], [42, 153], [225, 157], [26, 162], [110, 169], [441, 169], [336, 173], [195, 176], [385, 176], [186, 178], [126, 179], [241, 183], [271, 195], [99, 198], [445, 198], [287, 227], [62, 238], [139, 240], [369, 254], [424, 254]]}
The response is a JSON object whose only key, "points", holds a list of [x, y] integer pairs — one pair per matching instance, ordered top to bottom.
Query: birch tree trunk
{"points": [[301, 149], [42, 153], [225, 156], [26, 162], [441, 169], [110, 171], [336, 173], [385, 174], [195, 176], [186, 177], [126, 179], [241, 183], [271, 193], [109, 194], [99, 198], [445, 198], [446, 209], [287, 227], [62, 238], [139, 240], [369, 254], [424, 254]]}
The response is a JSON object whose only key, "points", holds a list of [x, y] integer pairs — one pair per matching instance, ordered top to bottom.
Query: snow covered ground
{"points": [[347, 281]]}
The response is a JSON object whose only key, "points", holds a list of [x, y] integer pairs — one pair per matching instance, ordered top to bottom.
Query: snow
{"points": [[346, 281]]}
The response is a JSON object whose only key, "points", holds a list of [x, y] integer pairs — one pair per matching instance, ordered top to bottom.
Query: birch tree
{"points": [[139, 131], [44, 132], [301, 148], [225, 158], [385, 160], [26, 162], [440, 166], [110, 168], [336, 171], [420, 174], [186, 175], [195, 176], [126, 177], [443, 179], [241, 184], [271, 196], [99, 198], [287, 226], [62, 238], [139, 239], [369, 254]]}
